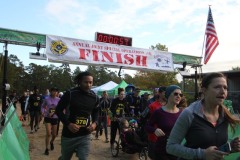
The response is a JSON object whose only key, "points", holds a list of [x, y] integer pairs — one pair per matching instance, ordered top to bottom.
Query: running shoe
{"points": [[32, 131], [52, 146], [46, 152]]}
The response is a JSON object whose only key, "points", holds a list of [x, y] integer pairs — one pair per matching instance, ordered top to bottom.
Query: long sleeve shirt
{"points": [[34, 102], [49, 106], [104, 106], [80, 107], [118, 107], [165, 121], [198, 132]]}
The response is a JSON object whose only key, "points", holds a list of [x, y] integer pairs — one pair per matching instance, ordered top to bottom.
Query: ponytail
{"points": [[232, 120]]}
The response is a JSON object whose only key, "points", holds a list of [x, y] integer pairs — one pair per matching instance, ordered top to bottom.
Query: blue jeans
{"points": [[80, 145]]}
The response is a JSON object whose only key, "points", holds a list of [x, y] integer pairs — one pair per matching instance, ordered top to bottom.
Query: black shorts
{"points": [[53, 121]]}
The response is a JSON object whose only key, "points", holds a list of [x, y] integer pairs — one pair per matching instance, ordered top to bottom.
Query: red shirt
{"points": [[153, 106]]}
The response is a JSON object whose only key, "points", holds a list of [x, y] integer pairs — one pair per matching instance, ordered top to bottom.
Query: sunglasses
{"points": [[176, 94]]}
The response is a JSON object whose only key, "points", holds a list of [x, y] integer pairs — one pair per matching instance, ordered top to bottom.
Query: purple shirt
{"points": [[49, 105], [165, 121]]}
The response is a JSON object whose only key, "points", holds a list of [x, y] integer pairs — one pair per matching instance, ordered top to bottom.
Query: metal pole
{"points": [[4, 82], [183, 85], [196, 85]]}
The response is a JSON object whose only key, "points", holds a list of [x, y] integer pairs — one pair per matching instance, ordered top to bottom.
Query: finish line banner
{"points": [[76, 51]]}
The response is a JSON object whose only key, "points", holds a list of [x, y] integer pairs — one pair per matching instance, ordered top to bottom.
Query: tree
{"points": [[159, 47], [235, 69], [76, 71], [15, 73], [101, 75]]}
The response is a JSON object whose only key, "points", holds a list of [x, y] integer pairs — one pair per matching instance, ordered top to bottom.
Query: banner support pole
{"points": [[4, 82]]}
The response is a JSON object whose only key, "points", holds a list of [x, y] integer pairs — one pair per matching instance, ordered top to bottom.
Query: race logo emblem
{"points": [[59, 48], [162, 61]]}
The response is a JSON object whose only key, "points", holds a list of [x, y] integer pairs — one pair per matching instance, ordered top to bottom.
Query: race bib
{"points": [[35, 104], [51, 110], [104, 110], [118, 111], [81, 121]]}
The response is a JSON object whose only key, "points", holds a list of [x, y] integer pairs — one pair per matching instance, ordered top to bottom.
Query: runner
{"points": [[22, 101], [133, 101], [80, 104], [34, 106], [118, 109], [103, 113], [50, 118]]}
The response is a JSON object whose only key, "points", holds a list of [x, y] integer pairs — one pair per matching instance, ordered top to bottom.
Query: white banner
{"points": [[76, 51]]}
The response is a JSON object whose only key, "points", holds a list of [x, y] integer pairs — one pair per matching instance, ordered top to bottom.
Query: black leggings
{"points": [[34, 116], [102, 124], [114, 127]]}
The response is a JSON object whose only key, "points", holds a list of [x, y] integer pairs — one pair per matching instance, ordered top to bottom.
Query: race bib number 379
{"points": [[81, 121]]}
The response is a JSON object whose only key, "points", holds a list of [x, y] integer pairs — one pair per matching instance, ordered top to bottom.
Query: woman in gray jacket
{"points": [[204, 125]]}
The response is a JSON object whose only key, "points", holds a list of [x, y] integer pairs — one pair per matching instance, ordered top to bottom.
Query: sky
{"points": [[178, 24]]}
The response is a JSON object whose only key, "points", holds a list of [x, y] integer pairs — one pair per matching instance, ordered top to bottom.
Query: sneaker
{"points": [[35, 127], [32, 131], [101, 131], [106, 141], [112, 145], [52, 146], [46, 152]]}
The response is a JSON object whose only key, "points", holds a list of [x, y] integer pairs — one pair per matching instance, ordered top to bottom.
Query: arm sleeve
{"points": [[30, 99], [26, 104], [63, 104], [43, 106], [113, 108], [150, 124], [177, 135]]}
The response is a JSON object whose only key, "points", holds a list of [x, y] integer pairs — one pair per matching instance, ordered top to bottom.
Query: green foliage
{"points": [[159, 47], [235, 69], [148, 80]]}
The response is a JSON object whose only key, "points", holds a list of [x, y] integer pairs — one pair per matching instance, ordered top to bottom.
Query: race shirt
{"points": [[35, 101]]}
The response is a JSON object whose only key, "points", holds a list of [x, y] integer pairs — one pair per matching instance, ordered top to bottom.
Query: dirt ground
{"points": [[99, 149]]}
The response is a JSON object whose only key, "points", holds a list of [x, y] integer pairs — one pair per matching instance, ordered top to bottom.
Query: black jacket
{"points": [[78, 105]]}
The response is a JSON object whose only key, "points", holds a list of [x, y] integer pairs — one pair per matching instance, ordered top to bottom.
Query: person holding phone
{"points": [[50, 118], [204, 124]]}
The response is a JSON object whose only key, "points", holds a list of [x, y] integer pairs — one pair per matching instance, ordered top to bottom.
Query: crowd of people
{"points": [[160, 123]]}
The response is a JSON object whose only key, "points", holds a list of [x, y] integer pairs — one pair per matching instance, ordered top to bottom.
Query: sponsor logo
{"points": [[59, 48]]}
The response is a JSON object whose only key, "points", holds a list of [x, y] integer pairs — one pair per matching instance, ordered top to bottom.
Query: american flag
{"points": [[211, 38]]}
